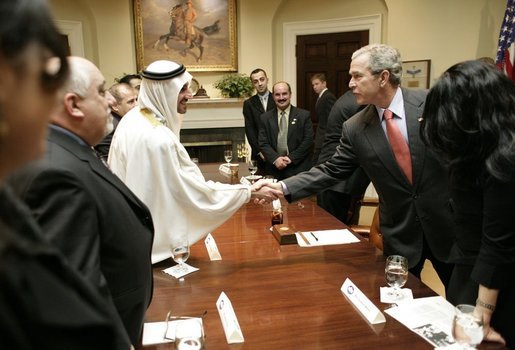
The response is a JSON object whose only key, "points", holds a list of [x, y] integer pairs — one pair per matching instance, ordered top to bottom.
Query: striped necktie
{"points": [[282, 136], [399, 146]]}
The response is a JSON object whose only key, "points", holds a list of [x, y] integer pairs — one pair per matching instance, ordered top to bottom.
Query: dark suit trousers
{"points": [[443, 269]]}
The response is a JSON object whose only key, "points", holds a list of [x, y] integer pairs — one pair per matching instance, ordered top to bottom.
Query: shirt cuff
{"points": [[286, 192]]}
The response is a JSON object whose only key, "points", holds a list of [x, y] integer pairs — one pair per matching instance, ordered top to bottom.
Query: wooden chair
{"points": [[372, 232]]}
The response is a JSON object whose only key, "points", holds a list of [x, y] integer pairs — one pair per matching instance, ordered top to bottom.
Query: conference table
{"points": [[284, 296]]}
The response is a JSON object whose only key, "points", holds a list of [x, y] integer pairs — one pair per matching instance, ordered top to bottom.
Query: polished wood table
{"points": [[285, 297]]}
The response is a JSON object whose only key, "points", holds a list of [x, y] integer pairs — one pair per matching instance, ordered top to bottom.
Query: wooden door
{"points": [[325, 53]]}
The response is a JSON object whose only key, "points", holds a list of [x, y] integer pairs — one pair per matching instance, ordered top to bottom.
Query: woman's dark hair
{"points": [[27, 22], [469, 119]]}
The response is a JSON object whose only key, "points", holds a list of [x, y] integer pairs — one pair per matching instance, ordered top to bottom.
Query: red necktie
{"points": [[398, 143]]}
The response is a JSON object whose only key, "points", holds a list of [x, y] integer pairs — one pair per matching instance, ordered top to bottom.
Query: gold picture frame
{"points": [[163, 31], [416, 74]]}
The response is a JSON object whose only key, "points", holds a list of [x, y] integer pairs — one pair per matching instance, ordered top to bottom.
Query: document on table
{"points": [[325, 237], [431, 318]]}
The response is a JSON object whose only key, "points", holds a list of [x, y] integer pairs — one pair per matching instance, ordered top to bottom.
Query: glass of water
{"points": [[228, 156], [252, 168], [180, 252], [396, 274], [467, 326], [189, 334]]}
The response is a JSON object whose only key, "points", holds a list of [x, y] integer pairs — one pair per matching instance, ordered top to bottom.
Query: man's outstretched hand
{"points": [[265, 192]]}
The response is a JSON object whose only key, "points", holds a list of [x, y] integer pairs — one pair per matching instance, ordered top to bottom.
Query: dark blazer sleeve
{"points": [[323, 110], [251, 125], [302, 130], [268, 136], [339, 167], [62, 206]]}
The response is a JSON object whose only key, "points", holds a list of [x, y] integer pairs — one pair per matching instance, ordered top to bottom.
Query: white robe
{"points": [[152, 162]]}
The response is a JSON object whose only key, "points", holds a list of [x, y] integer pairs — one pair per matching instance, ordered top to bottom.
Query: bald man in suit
{"points": [[291, 155], [414, 201]]}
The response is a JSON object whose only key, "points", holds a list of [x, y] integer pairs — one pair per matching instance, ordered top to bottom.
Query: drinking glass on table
{"points": [[228, 156], [252, 168], [180, 252], [396, 274], [467, 326], [189, 334]]}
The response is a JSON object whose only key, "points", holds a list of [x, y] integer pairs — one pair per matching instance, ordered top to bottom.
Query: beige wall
{"points": [[445, 31]]}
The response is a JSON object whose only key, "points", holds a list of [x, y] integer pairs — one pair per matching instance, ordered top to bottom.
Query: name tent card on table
{"points": [[212, 248], [362, 303], [232, 329]]}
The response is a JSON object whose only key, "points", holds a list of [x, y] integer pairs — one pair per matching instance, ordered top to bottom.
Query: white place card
{"points": [[212, 248], [177, 272], [362, 303], [232, 329], [154, 333]]}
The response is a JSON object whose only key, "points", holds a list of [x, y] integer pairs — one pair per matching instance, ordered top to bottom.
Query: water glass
{"points": [[228, 156], [396, 274], [467, 326], [189, 334]]}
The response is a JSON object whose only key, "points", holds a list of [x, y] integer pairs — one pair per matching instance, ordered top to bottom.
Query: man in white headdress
{"points": [[147, 155]]}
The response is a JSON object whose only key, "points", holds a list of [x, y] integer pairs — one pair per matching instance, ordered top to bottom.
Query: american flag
{"points": [[505, 49]]}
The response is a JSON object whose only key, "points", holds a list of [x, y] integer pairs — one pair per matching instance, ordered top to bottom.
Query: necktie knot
{"points": [[387, 115]]}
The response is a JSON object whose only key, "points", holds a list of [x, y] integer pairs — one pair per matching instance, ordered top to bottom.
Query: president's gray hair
{"points": [[383, 57]]}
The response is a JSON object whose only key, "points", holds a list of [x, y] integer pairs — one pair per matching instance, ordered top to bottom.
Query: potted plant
{"points": [[234, 85]]}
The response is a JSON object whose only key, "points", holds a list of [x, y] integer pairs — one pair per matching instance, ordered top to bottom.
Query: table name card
{"points": [[212, 248], [362, 303], [232, 329]]}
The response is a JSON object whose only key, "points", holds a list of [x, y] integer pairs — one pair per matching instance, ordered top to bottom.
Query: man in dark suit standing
{"points": [[125, 98], [325, 102], [253, 107], [286, 136], [342, 200], [415, 219], [101, 227]]}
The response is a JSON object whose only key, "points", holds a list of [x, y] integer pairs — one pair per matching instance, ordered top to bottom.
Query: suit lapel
{"points": [[256, 101], [292, 124], [377, 139], [417, 149]]}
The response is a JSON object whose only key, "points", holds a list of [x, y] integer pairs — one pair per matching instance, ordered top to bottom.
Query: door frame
{"points": [[372, 23]]}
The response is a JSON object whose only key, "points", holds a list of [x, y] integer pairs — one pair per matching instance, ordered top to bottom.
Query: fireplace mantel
{"points": [[204, 113]]}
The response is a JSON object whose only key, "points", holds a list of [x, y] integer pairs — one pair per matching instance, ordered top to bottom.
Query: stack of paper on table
{"points": [[325, 237], [431, 318]]}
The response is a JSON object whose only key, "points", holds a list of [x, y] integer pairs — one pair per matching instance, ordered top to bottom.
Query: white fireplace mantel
{"points": [[214, 113]]}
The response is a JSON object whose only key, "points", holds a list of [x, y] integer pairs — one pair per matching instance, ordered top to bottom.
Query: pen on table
{"points": [[315, 237]]}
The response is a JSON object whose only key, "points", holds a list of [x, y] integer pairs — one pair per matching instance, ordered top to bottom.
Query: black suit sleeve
{"points": [[251, 127], [302, 151], [64, 210]]}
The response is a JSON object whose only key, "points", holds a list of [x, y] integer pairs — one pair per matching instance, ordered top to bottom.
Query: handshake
{"points": [[264, 191]]}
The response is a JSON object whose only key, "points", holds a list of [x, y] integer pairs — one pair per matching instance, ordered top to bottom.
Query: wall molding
{"points": [[73, 29]]}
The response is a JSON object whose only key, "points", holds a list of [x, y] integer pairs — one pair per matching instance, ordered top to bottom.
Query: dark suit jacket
{"points": [[323, 108], [344, 108], [252, 110], [300, 140], [103, 146], [407, 212], [102, 228], [45, 303]]}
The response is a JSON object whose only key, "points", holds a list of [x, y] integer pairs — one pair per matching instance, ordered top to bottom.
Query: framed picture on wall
{"points": [[201, 34], [416, 74]]}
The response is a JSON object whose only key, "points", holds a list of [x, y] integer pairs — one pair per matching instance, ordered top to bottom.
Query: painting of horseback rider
{"points": [[200, 33]]}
